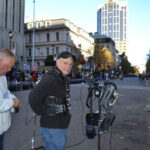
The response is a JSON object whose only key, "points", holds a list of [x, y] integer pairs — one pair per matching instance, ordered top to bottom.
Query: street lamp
{"points": [[10, 38]]}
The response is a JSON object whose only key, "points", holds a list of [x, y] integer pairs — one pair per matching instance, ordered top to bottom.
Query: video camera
{"points": [[88, 69], [107, 96]]}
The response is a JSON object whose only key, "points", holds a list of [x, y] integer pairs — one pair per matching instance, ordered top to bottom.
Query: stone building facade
{"points": [[12, 27], [52, 36]]}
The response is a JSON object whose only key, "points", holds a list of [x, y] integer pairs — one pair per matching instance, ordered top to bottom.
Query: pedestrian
{"points": [[34, 78], [7, 100], [50, 100]]}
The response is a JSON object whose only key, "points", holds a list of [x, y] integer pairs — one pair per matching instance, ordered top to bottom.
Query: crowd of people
{"points": [[18, 79]]}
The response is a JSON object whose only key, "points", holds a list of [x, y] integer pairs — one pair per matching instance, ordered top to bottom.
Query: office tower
{"points": [[112, 18]]}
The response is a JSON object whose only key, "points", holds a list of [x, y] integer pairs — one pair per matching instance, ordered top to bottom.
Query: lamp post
{"points": [[33, 33], [10, 38], [13, 48]]}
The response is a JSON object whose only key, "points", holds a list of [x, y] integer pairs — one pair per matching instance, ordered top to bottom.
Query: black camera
{"points": [[88, 68], [92, 124]]}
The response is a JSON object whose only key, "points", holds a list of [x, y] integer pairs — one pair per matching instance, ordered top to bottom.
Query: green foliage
{"points": [[49, 61], [148, 66], [126, 67]]}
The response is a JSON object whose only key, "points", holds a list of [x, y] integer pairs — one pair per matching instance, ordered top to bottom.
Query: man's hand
{"points": [[16, 102]]}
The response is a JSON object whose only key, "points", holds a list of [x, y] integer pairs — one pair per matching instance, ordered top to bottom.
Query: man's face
{"points": [[6, 65], [65, 65]]}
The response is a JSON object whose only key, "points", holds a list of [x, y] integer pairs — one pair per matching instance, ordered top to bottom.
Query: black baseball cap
{"points": [[66, 54]]}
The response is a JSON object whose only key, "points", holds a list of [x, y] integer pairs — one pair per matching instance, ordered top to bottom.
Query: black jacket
{"points": [[52, 84]]}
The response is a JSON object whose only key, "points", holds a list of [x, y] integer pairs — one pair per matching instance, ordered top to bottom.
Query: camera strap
{"points": [[68, 103]]}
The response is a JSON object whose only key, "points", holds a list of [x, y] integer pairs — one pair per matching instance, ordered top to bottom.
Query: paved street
{"points": [[130, 131]]}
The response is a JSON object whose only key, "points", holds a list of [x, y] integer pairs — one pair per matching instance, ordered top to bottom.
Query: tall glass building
{"points": [[112, 18]]}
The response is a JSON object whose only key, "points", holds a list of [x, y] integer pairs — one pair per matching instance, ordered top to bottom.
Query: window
{"points": [[110, 7], [114, 12], [117, 12], [105, 13], [125, 13], [6, 14], [13, 15], [20, 16], [114, 19], [117, 19], [102, 21], [124, 21], [48, 24], [38, 25], [30, 26], [114, 27], [117, 27], [105, 28], [47, 36], [57, 36], [38, 37], [67, 37], [30, 38], [53, 49], [47, 51], [57, 51], [30, 52], [38, 52], [38, 63]]}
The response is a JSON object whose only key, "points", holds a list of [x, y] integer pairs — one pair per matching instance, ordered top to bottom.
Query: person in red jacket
{"points": [[34, 79]]}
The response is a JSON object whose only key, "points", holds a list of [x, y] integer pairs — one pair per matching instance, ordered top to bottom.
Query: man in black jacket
{"points": [[50, 100]]}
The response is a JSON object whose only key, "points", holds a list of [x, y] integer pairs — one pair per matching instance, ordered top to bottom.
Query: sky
{"points": [[83, 13]]}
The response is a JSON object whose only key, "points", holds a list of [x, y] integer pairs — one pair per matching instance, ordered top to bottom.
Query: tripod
{"points": [[108, 96], [94, 119], [33, 138]]}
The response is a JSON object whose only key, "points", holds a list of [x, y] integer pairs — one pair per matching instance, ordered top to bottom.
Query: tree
{"points": [[123, 56], [104, 57], [49, 61], [125, 66], [148, 66], [136, 70]]}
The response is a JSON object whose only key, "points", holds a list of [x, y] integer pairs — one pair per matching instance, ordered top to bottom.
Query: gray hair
{"points": [[5, 52]]}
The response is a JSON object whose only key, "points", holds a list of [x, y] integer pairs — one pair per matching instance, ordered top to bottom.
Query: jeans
{"points": [[55, 139], [1, 141]]}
